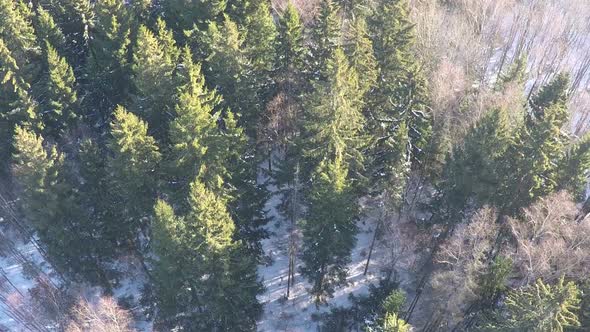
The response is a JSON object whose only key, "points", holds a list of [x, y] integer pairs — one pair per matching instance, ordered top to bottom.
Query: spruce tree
{"points": [[184, 14], [75, 19], [47, 30], [18, 34], [326, 38], [259, 42], [290, 48], [360, 54], [107, 63], [153, 68], [228, 70], [401, 92], [61, 106], [333, 121], [204, 140], [532, 161], [473, 171], [133, 172], [574, 176], [52, 204], [329, 229], [200, 282], [538, 307]]}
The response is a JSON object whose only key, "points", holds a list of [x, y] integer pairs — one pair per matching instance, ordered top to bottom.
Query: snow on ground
{"points": [[17, 280], [295, 314]]}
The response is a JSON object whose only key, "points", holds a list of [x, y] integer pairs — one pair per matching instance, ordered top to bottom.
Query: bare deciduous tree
{"points": [[550, 242], [463, 259], [104, 316]]}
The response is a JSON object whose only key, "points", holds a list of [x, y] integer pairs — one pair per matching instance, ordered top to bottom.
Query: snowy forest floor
{"points": [[22, 266], [298, 312]]}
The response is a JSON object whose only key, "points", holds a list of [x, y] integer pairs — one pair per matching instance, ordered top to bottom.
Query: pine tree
{"points": [[326, 37], [107, 62], [153, 68], [401, 93], [61, 105], [333, 121], [132, 170], [329, 229], [200, 283], [539, 307]]}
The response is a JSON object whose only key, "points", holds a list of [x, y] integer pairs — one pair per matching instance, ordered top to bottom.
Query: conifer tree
{"points": [[184, 14], [75, 19], [47, 30], [19, 36], [326, 37], [259, 42], [290, 48], [360, 53], [107, 62], [153, 67], [228, 70], [401, 93], [16, 104], [61, 105], [333, 121], [204, 141], [532, 161], [132, 169], [474, 170], [575, 175], [51, 203], [329, 229], [200, 283], [539, 307], [392, 323]]}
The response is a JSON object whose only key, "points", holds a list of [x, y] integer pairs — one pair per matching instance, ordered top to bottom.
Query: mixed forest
{"points": [[438, 148]]}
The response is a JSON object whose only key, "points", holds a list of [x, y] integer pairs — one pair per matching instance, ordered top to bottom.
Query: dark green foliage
{"points": [[326, 38], [108, 60], [154, 60], [401, 93], [60, 108], [333, 122], [531, 164], [473, 171], [133, 172], [574, 176], [52, 204], [329, 229], [197, 267], [493, 281]]}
